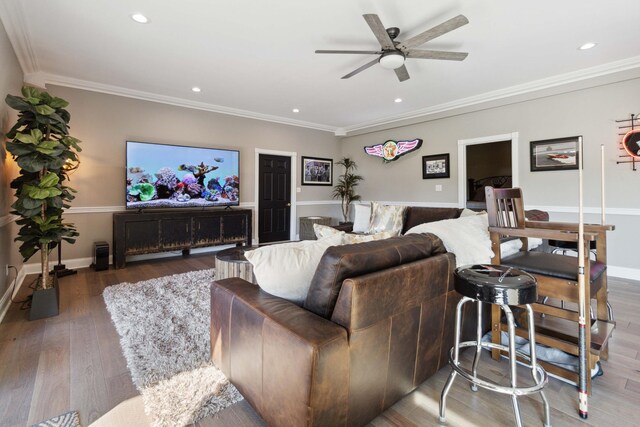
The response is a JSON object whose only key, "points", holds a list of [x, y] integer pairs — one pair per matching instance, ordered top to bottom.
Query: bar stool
{"points": [[504, 286]]}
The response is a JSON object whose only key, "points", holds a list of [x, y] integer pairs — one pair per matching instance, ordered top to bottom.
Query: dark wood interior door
{"points": [[274, 204]]}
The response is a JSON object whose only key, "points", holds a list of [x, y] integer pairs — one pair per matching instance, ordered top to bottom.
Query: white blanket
{"points": [[467, 237]]}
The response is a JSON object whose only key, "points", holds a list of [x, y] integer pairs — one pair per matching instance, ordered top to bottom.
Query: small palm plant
{"points": [[43, 149], [345, 188]]}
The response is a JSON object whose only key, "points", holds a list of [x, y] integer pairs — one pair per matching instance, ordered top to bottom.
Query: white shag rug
{"points": [[164, 334]]}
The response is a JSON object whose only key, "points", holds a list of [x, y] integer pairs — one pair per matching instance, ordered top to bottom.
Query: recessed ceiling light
{"points": [[139, 18], [587, 46], [196, 89], [397, 100], [295, 110]]}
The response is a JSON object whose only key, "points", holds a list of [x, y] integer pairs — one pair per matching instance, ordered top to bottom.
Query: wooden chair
{"points": [[557, 277]]}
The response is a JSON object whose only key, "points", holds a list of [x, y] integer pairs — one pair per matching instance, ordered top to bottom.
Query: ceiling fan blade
{"points": [[379, 31], [434, 32], [354, 52], [436, 54], [361, 69], [402, 73]]}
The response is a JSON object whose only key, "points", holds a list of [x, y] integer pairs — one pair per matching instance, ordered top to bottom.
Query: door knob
{"points": [[288, 204]]}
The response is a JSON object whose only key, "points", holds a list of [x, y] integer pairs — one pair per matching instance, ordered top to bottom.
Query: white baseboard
{"points": [[623, 272], [5, 301]]}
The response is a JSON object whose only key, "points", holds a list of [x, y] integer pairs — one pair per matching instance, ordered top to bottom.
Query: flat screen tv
{"points": [[172, 176]]}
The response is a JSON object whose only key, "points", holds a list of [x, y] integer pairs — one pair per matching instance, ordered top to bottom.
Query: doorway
{"points": [[487, 161], [274, 198]]}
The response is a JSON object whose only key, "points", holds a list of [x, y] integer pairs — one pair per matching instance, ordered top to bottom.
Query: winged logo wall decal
{"points": [[392, 150]]}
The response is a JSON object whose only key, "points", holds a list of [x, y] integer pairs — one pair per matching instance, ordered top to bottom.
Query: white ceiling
{"points": [[256, 58]]}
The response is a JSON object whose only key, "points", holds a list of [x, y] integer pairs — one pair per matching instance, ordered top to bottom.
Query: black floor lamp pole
{"points": [[61, 270]]}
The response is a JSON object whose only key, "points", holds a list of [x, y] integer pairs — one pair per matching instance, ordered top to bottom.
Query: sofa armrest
{"points": [[290, 364]]}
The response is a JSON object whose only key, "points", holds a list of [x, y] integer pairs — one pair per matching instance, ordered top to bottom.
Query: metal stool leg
{"points": [[456, 347], [476, 358], [512, 361], [534, 365]]}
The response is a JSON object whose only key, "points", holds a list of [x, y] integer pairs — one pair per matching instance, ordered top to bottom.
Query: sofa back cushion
{"points": [[416, 215], [342, 262]]}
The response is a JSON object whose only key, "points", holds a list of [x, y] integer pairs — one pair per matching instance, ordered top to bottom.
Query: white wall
{"points": [[10, 82], [590, 112], [104, 122]]}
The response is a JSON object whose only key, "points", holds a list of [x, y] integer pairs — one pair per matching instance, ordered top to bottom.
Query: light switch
{"points": [[438, 187], [298, 189]]}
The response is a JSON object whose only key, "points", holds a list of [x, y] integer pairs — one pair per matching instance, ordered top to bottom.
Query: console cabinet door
{"points": [[234, 228], [206, 230], [175, 233], [141, 237]]}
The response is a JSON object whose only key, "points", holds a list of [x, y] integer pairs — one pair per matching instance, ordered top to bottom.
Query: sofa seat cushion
{"points": [[416, 215], [342, 262], [554, 265]]}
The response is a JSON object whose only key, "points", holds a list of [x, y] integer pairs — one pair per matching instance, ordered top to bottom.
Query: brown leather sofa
{"points": [[416, 215], [377, 322]]}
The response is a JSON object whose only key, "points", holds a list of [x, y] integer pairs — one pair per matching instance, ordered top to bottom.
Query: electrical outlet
{"points": [[438, 187]]}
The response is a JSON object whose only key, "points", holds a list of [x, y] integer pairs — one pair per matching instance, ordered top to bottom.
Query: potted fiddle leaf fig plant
{"points": [[43, 149], [345, 188]]}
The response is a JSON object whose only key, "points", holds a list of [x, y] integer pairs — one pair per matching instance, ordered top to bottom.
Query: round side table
{"points": [[232, 263]]}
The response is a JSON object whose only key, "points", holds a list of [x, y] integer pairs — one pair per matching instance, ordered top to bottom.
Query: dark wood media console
{"points": [[136, 233]]}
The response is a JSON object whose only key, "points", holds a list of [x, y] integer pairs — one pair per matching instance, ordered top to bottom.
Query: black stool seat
{"points": [[496, 284]]}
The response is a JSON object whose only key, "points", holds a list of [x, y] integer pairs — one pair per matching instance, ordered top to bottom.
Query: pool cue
{"points": [[602, 221], [582, 333]]}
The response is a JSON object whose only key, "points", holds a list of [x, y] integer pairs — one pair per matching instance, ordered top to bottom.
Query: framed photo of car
{"points": [[555, 154], [317, 171]]}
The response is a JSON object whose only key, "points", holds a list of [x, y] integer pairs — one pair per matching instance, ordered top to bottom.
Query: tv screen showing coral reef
{"points": [[172, 176]]}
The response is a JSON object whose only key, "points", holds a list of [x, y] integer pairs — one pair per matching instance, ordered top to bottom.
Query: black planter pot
{"points": [[45, 302]]}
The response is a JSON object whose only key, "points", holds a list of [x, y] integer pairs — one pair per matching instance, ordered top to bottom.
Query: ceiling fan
{"points": [[394, 53]]}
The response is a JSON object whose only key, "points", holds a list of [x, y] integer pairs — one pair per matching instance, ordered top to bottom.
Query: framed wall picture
{"points": [[555, 154], [436, 166], [317, 171]]}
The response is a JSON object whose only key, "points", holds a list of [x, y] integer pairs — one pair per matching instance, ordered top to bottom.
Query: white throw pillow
{"points": [[467, 212], [361, 218], [386, 218], [322, 231], [467, 237], [349, 239], [285, 270]]}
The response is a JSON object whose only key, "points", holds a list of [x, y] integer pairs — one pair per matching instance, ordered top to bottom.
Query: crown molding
{"points": [[13, 18], [42, 79], [500, 94]]}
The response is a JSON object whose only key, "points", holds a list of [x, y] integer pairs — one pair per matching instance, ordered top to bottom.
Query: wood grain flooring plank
{"points": [[52, 385], [88, 386], [119, 389]]}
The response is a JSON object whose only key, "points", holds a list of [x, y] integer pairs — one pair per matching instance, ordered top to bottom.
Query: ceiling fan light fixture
{"points": [[391, 60]]}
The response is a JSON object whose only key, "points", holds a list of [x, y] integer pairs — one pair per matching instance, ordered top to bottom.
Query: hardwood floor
{"points": [[74, 361]]}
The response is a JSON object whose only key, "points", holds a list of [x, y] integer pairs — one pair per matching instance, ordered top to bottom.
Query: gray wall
{"points": [[10, 82], [590, 112], [104, 122]]}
